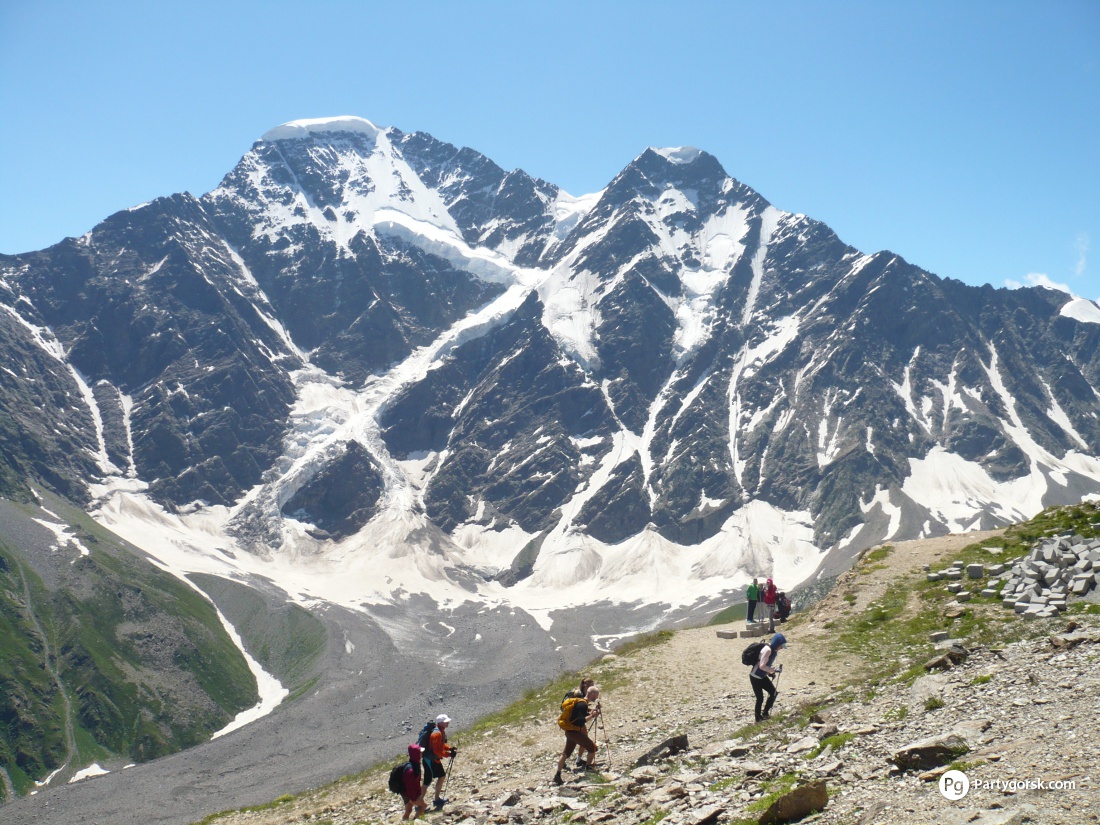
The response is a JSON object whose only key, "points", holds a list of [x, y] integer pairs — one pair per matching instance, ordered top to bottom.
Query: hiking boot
{"points": [[580, 764], [591, 769], [557, 778], [439, 803]]}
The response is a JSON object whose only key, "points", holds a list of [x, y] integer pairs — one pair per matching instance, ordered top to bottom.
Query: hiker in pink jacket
{"points": [[771, 593]]}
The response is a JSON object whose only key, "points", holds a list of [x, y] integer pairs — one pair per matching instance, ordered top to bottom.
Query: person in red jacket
{"points": [[771, 593], [434, 754], [413, 793]]}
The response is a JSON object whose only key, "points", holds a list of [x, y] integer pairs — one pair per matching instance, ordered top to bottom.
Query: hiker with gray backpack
{"points": [[761, 656]]}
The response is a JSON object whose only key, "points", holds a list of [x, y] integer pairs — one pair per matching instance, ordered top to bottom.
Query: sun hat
{"points": [[442, 719]]}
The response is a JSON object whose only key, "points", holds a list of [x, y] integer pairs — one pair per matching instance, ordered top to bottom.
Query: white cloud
{"points": [[1082, 247], [1038, 279]]}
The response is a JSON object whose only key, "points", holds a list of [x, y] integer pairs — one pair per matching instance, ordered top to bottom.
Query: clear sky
{"points": [[964, 136]]}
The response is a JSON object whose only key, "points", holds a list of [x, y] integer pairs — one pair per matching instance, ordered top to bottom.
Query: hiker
{"points": [[753, 595], [770, 596], [783, 606], [763, 671], [578, 693], [574, 719], [435, 751], [412, 793]]}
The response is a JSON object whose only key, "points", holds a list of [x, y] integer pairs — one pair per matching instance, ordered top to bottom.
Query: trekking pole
{"points": [[606, 740], [447, 782]]}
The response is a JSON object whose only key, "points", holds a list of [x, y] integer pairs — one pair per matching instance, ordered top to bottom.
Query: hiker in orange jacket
{"points": [[434, 754]]}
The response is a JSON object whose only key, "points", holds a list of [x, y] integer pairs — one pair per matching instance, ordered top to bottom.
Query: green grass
{"points": [[878, 554], [734, 613], [642, 642], [982, 680], [933, 703], [896, 714], [838, 741], [773, 790]]}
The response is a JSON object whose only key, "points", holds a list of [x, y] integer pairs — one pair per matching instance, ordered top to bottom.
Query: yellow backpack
{"points": [[565, 721]]}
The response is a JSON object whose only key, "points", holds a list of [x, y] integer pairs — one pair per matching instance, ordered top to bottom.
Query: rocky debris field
{"points": [[1017, 717]]}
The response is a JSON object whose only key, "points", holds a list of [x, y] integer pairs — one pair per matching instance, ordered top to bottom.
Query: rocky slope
{"points": [[106, 657], [1017, 708]]}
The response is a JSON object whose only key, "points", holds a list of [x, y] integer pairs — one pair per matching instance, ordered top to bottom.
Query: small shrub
{"points": [[933, 703]]}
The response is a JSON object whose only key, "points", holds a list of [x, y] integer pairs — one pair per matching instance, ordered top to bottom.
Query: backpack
{"points": [[751, 654], [565, 721], [424, 739], [397, 777]]}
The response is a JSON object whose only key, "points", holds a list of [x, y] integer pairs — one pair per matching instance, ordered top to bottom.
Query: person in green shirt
{"points": [[753, 596]]}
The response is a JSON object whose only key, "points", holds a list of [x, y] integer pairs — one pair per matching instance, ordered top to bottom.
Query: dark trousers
{"points": [[752, 609], [759, 685]]}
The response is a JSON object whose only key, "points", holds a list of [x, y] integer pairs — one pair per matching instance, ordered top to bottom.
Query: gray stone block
{"points": [[996, 569], [975, 571], [953, 574], [934, 577], [954, 588], [989, 593], [964, 596], [1010, 603], [939, 636]]}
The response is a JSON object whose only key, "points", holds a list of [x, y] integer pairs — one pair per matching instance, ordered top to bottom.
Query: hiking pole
{"points": [[606, 740], [447, 781]]}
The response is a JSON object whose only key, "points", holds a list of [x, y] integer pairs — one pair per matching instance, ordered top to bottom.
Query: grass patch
{"points": [[879, 554], [734, 613], [642, 642], [984, 679], [933, 703], [896, 714], [838, 741], [960, 765], [722, 784], [773, 790], [600, 792], [658, 815]]}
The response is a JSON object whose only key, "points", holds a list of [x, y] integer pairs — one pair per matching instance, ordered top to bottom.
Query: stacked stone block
{"points": [[1040, 583]]}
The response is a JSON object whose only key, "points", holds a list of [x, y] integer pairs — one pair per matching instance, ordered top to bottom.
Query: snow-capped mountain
{"points": [[371, 364]]}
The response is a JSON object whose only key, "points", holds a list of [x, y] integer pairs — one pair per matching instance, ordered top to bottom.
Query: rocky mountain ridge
{"points": [[556, 393]]}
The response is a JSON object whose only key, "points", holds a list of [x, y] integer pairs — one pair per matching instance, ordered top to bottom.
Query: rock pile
{"points": [[1040, 584], [1037, 585]]}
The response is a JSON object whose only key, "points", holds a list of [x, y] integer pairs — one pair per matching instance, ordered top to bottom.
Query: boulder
{"points": [[670, 747], [931, 752], [798, 803]]}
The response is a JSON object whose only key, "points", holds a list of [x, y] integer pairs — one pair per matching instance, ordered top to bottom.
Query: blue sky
{"points": [[963, 136]]}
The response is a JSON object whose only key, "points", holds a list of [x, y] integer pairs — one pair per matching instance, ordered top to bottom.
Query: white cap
{"points": [[442, 719]]}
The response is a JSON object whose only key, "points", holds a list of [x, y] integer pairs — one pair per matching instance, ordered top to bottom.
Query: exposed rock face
{"points": [[673, 355], [343, 496]]}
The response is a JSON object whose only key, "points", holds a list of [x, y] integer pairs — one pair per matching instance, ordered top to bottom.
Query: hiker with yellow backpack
{"points": [[576, 713]]}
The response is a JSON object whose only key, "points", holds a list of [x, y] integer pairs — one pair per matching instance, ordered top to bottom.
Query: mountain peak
{"points": [[302, 128], [680, 155]]}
